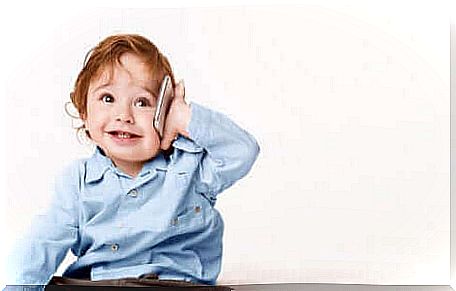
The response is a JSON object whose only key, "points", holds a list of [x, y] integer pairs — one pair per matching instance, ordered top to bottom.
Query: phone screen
{"points": [[165, 97]]}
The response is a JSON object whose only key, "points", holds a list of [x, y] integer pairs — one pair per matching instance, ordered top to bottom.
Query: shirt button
{"points": [[134, 193], [197, 209], [114, 247]]}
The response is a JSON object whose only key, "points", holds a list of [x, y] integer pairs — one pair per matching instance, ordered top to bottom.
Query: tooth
{"points": [[123, 135]]}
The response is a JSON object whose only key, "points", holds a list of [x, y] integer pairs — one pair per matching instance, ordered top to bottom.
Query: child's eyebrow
{"points": [[99, 87], [145, 88], [150, 91]]}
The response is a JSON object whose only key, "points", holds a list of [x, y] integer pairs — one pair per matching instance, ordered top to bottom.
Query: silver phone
{"points": [[165, 98]]}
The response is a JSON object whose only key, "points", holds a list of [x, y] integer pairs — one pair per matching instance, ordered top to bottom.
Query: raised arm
{"points": [[229, 150]]}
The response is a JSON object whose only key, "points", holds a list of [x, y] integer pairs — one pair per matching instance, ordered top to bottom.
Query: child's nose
{"points": [[124, 114], [124, 118]]}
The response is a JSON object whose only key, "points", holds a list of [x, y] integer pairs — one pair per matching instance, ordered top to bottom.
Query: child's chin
{"points": [[137, 156]]}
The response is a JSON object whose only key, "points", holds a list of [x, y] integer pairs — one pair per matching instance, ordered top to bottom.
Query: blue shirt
{"points": [[163, 221]]}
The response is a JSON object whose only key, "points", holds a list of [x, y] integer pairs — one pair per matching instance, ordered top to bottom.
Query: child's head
{"points": [[115, 93]]}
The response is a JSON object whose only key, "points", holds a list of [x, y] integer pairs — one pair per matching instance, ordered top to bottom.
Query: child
{"points": [[141, 206]]}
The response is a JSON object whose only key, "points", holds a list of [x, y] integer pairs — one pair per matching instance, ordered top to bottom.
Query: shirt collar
{"points": [[187, 145], [157, 163], [99, 164]]}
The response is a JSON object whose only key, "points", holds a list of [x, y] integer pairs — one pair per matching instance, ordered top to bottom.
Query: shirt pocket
{"points": [[182, 178], [191, 217]]}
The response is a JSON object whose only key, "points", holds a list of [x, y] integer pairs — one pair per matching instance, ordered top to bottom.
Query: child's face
{"points": [[120, 113]]}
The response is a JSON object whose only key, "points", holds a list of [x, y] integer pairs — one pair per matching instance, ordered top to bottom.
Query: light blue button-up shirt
{"points": [[163, 221]]}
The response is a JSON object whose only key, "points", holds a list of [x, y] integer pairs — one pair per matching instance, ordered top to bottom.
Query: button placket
{"points": [[133, 193], [114, 247]]}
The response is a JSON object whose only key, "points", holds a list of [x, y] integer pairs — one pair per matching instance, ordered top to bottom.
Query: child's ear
{"points": [[83, 117], [86, 130]]}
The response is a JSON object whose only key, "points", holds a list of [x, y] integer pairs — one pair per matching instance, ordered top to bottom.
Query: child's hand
{"points": [[178, 118]]}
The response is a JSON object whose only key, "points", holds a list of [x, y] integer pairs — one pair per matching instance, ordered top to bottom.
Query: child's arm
{"points": [[229, 151], [36, 257]]}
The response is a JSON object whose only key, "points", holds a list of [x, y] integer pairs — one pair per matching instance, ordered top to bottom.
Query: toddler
{"points": [[141, 206]]}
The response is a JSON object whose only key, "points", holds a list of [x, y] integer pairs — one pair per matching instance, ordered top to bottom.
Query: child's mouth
{"points": [[122, 136]]}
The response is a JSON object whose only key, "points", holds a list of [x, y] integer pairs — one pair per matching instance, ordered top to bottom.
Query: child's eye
{"points": [[106, 98], [142, 102]]}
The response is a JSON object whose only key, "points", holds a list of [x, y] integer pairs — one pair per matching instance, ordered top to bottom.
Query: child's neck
{"points": [[129, 168]]}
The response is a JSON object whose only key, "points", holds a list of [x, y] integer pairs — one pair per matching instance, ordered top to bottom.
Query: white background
{"points": [[349, 102]]}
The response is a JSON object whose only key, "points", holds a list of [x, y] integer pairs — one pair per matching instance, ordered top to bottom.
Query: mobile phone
{"points": [[165, 97]]}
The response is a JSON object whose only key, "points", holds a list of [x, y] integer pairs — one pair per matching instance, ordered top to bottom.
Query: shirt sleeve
{"points": [[229, 150], [36, 257]]}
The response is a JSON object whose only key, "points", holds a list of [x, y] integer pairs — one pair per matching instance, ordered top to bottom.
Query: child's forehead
{"points": [[135, 74]]}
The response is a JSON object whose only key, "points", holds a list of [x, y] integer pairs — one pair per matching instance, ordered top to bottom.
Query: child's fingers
{"points": [[180, 90], [173, 120], [167, 139], [165, 142], [164, 145]]}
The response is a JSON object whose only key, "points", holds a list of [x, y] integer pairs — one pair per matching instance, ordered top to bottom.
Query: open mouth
{"points": [[122, 134]]}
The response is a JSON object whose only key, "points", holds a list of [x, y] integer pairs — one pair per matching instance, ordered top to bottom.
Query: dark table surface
{"points": [[261, 287], [337, 287]]}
